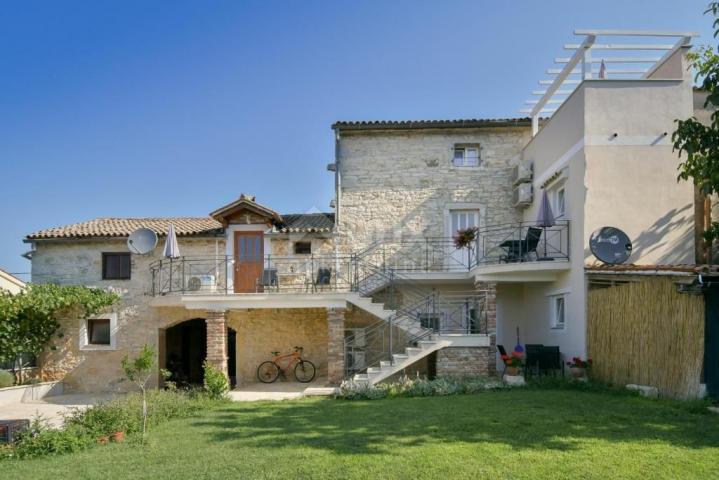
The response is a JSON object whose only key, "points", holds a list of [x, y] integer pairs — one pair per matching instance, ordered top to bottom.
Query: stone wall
{"points": [[398, 183], [80, 262], [262, 331], [464, 361]]}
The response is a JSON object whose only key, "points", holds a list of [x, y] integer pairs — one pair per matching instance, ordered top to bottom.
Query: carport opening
{"points": [[185, 350]]}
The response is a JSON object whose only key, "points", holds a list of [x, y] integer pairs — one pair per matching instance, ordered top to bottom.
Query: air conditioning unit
{"points": [[524, 172], [522, 195], [200, 283]]}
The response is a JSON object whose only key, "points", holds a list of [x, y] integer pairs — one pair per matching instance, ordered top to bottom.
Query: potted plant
{"points": [[465, 237], [513, 362], [579, 367]]}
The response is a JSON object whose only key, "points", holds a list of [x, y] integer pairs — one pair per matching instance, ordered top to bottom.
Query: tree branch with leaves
{"points": [[699, 143]]}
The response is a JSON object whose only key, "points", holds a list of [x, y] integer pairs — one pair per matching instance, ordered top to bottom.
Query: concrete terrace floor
{"points": [[280, 390]]}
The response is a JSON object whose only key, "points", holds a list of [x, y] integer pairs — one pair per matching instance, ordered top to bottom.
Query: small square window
{"points": [[466, 156], [303, 248], [116, 266], [558, 312], [98, 331]]}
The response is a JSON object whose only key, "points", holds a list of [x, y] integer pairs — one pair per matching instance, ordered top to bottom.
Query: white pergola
{"points": [[632, 61]]}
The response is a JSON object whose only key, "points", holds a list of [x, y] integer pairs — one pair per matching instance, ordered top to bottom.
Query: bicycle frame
{"points": [[290, 358]]}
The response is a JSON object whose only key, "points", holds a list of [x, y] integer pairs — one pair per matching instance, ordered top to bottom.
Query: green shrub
{"points": [[7, 379], [216, 384], [418, 387], [84, 427], [40, 439]]}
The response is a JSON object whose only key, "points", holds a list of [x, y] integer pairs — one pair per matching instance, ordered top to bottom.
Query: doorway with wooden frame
{"points": [[249, 261]]}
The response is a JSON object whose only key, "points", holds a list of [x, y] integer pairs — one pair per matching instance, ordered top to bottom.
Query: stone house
{"points": [[379, 285]]}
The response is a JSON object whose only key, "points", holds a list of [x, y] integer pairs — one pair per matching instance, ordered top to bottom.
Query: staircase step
{"points": [[426, 343], [411, 351], [400, 357], [385, 364], [374, 370], [359, 377]]}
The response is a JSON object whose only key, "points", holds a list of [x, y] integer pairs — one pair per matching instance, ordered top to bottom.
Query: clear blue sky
{"points": [[152, 108]]}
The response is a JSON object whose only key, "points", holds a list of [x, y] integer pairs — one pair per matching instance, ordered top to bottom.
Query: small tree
{"points": [[700, 143], [139, 370]]}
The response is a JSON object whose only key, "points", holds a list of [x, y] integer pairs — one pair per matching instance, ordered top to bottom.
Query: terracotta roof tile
{"points": [[424, 124], [308, 222], [184, 226], [122, 227], [633, 268]]}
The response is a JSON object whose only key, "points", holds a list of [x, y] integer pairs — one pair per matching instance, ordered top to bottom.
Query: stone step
{"points": [[426, 343], [412, 351], [400, 357], [385, 364], [374, 370]]}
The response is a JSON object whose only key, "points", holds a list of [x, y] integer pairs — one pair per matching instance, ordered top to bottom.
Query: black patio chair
{"points": [[519, 250], [324, 277], [269, 279], [502, 353], [532, 354], [550, 361]]}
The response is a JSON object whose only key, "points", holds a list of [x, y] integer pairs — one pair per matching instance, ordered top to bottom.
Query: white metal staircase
{"points": [[405, 332], [400, 361]]}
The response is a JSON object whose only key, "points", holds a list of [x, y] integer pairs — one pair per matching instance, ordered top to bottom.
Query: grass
{"points": [[504, 434]]}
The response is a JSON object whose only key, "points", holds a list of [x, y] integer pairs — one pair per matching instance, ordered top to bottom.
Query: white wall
{"points": [[626, 181]]}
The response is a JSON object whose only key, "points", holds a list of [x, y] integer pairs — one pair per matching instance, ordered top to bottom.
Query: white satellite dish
{"points": [[142, 241]]}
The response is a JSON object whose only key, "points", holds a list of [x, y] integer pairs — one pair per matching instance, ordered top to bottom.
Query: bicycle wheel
{"points": [[305, 371], [268, 372]]}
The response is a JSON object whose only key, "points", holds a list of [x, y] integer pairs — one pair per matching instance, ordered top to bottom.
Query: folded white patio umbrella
{"points": [[172, 249]]}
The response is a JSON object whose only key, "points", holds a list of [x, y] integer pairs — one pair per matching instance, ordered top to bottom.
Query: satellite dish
{"points": [[142, 241], [610, 245]]}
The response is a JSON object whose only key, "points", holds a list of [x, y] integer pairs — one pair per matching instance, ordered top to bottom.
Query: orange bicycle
{"points": [[270, 371]]}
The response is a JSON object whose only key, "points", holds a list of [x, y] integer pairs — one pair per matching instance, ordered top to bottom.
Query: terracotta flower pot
{"points": [[512, 371], [577, 372], [118, 437], [104, 440]]}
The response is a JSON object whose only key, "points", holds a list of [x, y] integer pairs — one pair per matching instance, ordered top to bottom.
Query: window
{"points": [[466, 156], [560, 203], [462, 219], [303, 248], [115, 266], [558, 312], [98, 333], [25, 360]]}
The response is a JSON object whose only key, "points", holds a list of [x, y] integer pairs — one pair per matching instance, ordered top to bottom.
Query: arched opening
{"points": [[185, 351]]}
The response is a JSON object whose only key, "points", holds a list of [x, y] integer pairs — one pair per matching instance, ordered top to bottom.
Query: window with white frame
{"points": [[466, 156], [560, 202], [558, 308], [98, 333]]}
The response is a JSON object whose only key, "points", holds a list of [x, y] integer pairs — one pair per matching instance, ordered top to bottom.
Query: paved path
{"points": [[52, 408]]}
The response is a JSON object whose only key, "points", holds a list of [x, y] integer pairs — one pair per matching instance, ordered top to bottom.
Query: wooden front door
{"points": [[249, 256]]}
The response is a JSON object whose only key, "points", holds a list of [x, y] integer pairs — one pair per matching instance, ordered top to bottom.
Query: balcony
{"points": [[497, 251]]}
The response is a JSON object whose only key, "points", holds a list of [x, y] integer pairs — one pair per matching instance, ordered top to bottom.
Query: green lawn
{"points": [[505, 434]]}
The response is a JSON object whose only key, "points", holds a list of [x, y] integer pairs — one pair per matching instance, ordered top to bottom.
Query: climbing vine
{"points": [[28, 320]]}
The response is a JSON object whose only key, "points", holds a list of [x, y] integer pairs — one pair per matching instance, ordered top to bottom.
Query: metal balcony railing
{"points": [[498, 244]]}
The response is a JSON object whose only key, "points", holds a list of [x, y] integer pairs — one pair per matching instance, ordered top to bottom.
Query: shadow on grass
{"points": [[546, 420]]}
